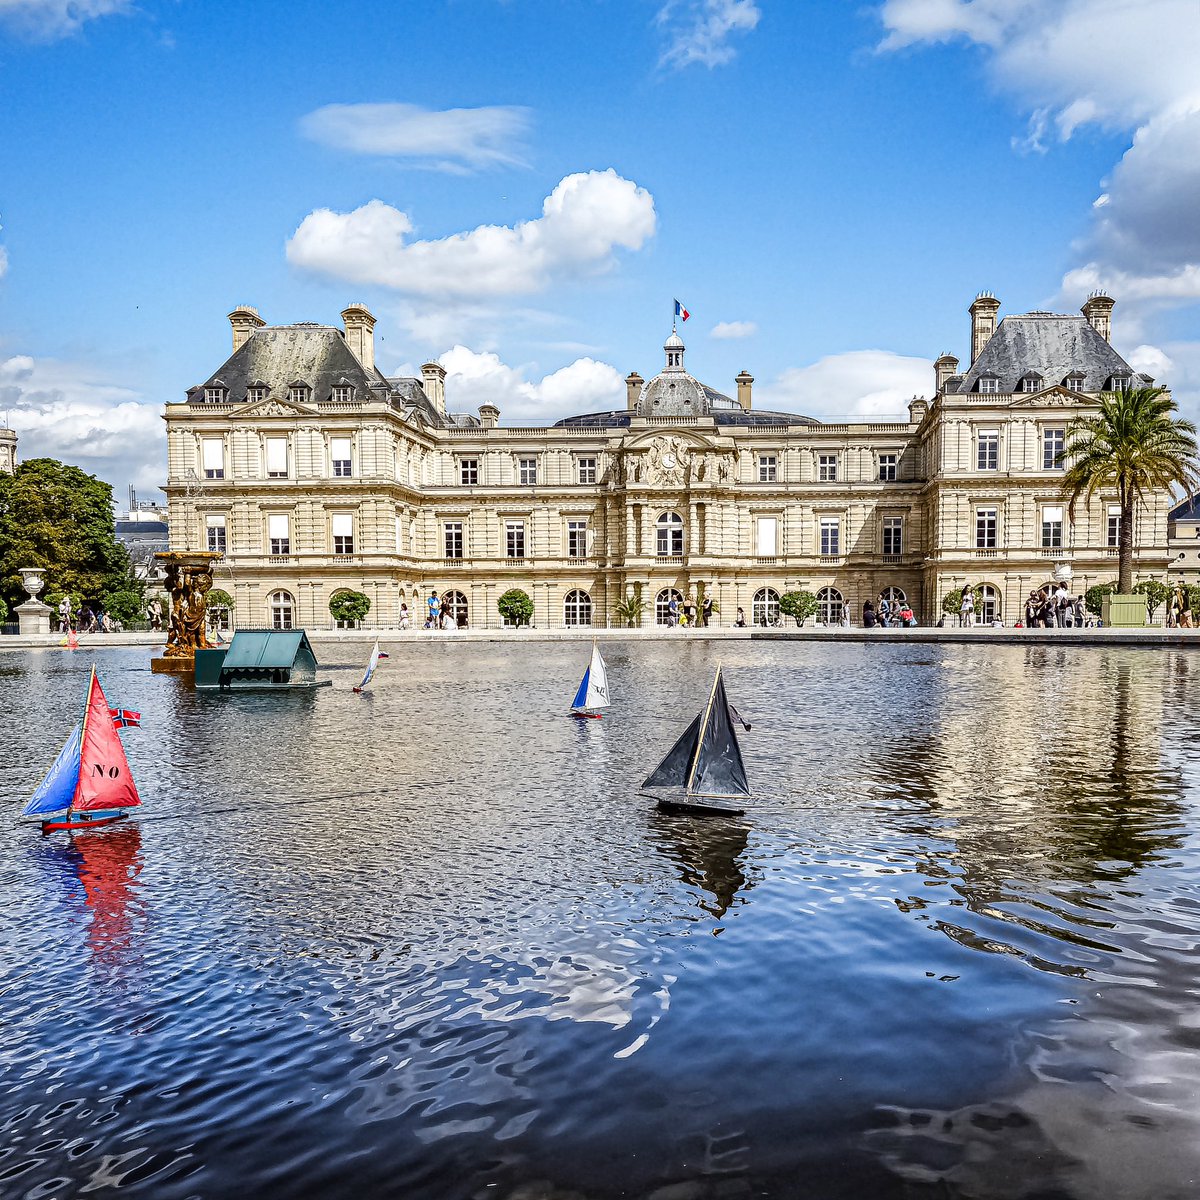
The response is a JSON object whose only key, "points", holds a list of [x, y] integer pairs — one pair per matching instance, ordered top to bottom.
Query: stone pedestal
{"points": [[188, 579], [33, 617]]}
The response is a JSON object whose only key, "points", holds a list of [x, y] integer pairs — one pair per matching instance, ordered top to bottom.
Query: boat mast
{"points": [[87, 707], [703, 726]]}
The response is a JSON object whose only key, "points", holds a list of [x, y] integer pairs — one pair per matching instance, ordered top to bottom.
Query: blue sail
{"points": [[581, 695], [57, 790]]}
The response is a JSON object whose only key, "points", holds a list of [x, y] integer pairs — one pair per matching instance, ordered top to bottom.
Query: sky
{"points": [[522, 188]]}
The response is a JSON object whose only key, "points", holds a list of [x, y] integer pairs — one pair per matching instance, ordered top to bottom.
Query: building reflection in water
{"points": [[709, 853]]}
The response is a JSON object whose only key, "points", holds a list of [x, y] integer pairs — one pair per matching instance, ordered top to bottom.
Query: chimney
{"points": [[1098, 310], [244, 320], [359, 322], [983, 322], [943, 369], [434, 376], [745, 382], [633, 389], [918, 406], [489, 414]]}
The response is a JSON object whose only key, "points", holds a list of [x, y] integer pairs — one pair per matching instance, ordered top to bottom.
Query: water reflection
{"points": [[709, 853]]}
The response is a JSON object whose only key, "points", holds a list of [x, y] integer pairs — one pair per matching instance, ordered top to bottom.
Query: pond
{"points": [[430, 942]]}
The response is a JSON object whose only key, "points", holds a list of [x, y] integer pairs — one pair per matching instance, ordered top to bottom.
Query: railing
{"points": [[986, 552], [1055, 552], [345, 558], [669, 558], [889, 559], [279, 560], [767, 560], [831, 560], [518, 562]]}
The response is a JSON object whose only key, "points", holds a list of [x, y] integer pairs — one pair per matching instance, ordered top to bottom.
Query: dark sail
{"points": [[673, 770], [718, 770]]}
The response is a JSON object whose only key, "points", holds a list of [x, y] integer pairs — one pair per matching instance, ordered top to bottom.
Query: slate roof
{"points": [[1052, 345], [619, 418], [1187, 509]]}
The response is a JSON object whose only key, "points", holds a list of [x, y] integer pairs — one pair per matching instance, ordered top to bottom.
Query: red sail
{"points": [[105, 780]]}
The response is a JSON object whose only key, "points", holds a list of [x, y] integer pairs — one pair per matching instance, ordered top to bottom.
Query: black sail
{"points": [[673, 770], [719, 770]]}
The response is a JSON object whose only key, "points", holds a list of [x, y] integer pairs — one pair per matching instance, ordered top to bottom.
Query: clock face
{"points": [[668, 461]]}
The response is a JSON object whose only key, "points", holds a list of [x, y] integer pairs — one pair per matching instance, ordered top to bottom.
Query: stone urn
{"points": [[33, 616]]}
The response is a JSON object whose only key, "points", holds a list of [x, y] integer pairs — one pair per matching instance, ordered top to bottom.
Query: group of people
{"points": [[1057, 609], [1179, 610], [685, 612], [887, 614], [438, 615], [96, 620]]}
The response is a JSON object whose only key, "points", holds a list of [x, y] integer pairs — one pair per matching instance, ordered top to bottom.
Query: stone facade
{"points": [[8, 451], [311, 472]]}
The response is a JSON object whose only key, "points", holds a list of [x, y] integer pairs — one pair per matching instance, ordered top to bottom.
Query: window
{"points": [[1075, 382], [989, 383], [1031, 383], [1121, 383], [298, 393], [343, 394], [214, 395], [255, 395], [1052, 448], [988, 450], [339, 451], [213, 458], [276, 458], [887, 467], [527, 468], [766, 468], [827, 468], [468, 471], [587, 474], [1114, 525], [342, 527], [1052, 528], [985, 529], [215, 531], [277, 534], [831, 534], [399, 535], [670, 535], [893, 535], [453, 536], [515, 539], [577, 539], [766, 543], [830, 603], [987, 606], [454, 608], [764, 608], [577, 609], [662, 609], [281, 610]]}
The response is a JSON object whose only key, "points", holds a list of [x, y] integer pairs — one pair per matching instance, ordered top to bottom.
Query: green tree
{"points": [[1135, 444], [59, 518], [1156, 592], [219, 598], [1093, 598], [799, 605], [123, 606], [349, 606], [516, 607], [3, 611], [629, 611]]}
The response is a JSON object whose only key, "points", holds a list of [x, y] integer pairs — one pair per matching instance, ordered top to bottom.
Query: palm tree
{"points": [[1134, 444]]}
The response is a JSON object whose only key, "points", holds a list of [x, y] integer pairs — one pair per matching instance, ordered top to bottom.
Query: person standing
{"points": [[1185, 607], [435, 610], [689, 610], [706, 610], [885, 611], [154, 612], [672, 612], [64, 614], [967, 615], [741, 618], [869, 618], [404, 619]]}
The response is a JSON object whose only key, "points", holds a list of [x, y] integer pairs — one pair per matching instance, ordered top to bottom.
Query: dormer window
{"points": [[1031, 382], [1075, 382], [1121, 382], [989, 383], [298, 393], [215, 394], [343, 394], [255, 395]]}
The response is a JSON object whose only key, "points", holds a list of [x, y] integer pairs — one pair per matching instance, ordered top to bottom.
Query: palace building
{"points": [[313, 472]]}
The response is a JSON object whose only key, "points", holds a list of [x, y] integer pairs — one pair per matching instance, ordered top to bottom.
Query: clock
{"points": [[668, 461]]}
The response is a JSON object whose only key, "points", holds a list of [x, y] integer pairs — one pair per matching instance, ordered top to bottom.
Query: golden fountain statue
{"points": [[189, 578]]}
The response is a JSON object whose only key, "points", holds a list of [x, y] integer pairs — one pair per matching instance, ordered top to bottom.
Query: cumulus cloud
{"points": [[47, 20], [699, 30], [456, 138], [584, 221], [733, 329], [474, 378], [870, 385], [70, 412]]}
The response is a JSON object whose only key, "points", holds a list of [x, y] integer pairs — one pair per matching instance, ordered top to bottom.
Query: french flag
{"points": [[681, 312], [383, 654], [122, 718]]}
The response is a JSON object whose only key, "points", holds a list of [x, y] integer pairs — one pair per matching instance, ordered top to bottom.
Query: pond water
{"points": [[431, 942]]}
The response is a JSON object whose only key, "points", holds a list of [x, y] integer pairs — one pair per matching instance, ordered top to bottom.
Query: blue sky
{"points": [[826, 186]]}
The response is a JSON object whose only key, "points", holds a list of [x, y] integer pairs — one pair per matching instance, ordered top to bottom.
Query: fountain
{"points": [[188, 579]]}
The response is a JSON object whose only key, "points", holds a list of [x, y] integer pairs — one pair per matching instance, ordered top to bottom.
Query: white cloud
{"points": [[47, 20], [700, 30], [453, 138], [584, 221], [733, 329], [474, 378], [874, 385], [70, 412]]}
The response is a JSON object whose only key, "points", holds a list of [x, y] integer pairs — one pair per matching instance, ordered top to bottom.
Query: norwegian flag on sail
{"points": [[122, 718]]}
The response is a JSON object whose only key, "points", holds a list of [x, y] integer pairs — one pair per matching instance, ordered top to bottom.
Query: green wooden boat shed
{"points": [[259, 659]]}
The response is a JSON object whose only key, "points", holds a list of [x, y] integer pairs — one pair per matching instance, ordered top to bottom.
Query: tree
{"points": [[1133, 445], [59, 518], [1156, 592], [1093, 598], [952, 600], [219, 603], [800, 605], [123, 606], [349, 606], [515, 607], [3, 611], [629, 611]]}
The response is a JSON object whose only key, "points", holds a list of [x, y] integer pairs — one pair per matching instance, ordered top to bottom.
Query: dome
{"points": [[674, 342]]}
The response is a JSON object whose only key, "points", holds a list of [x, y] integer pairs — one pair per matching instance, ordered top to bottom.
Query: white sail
{"points": [[597, 682]]}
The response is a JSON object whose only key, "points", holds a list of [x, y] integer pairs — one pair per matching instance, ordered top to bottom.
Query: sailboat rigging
{"points": [[373, 662], [592, 693], [705, 764], [90, 779]]}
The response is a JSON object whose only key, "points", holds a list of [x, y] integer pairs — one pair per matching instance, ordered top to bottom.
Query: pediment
{"points": [[1051, 397], [273, 406], [681, 435]]}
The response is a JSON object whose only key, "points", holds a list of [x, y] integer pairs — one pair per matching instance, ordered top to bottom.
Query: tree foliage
{"points": [[1134, 445], [59, 518], [1156, 592], [220, 598], [1093, 598], [952, 600], [347, 605], [800, 605], [124, 606], [516, 607], [630, 610], [3, 611]]}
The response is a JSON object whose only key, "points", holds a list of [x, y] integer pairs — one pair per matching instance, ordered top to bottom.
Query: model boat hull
{"points": [[584, 716], [77, 822]]}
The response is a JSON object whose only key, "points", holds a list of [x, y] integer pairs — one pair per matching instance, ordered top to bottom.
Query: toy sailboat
{"points": [[373, 662], [593, 688], [706, 763], [90, 779]]}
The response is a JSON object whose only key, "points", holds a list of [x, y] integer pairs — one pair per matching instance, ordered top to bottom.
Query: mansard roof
{"points": [[1052, 345], [620, 418]]}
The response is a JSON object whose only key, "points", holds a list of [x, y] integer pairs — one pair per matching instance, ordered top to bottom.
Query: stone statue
{"points": [[188, 579]]}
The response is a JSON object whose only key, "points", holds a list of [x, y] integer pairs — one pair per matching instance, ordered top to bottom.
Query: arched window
{"points": [[670, 535], [893, 595], [454, 606], [829, 606], [282, 607], [988, 607], [577, 608], [764, 610], [662, 613]]}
